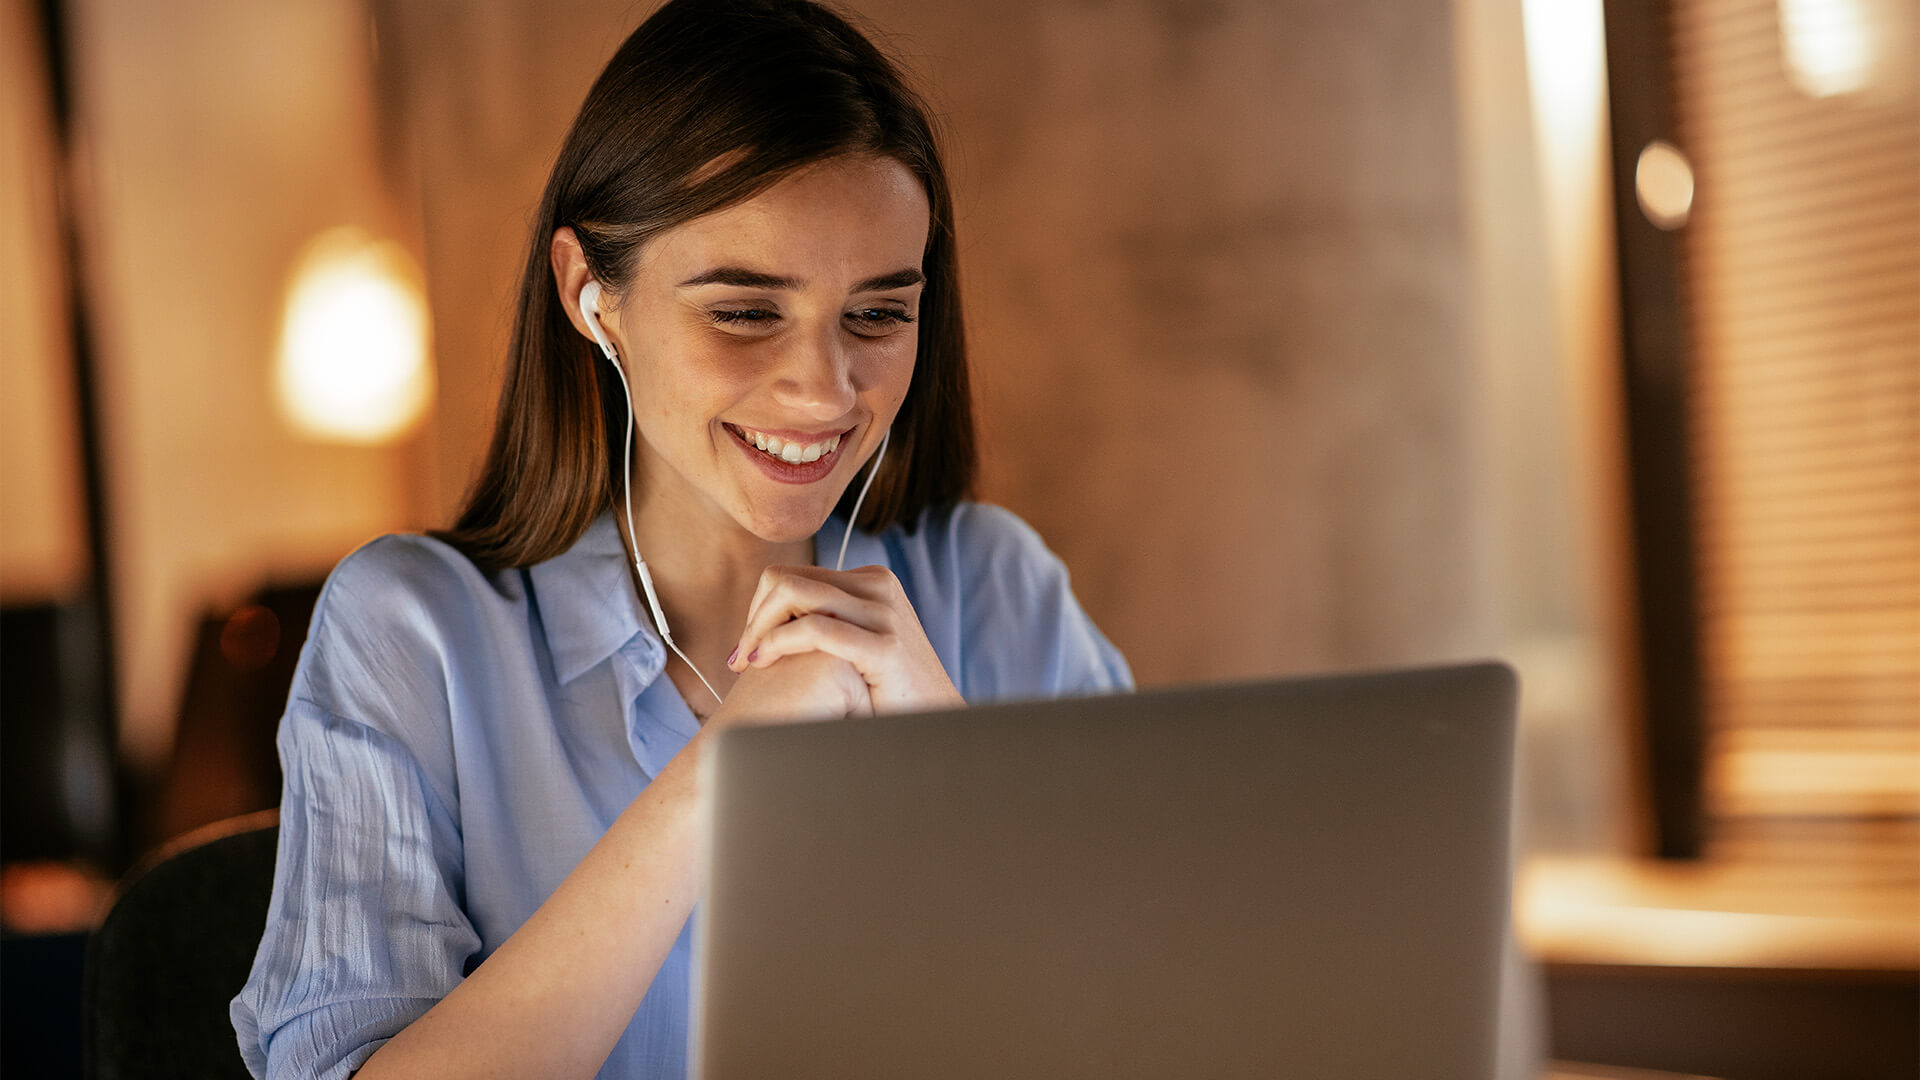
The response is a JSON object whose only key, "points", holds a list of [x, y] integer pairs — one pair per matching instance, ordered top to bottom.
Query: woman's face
{"points": [[787, 321]]}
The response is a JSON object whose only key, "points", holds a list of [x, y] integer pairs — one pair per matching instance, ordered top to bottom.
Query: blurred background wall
{"points": [[221, 138], [42, 539]]}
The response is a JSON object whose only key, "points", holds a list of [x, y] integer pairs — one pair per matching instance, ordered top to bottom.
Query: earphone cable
{"points": [[633, 538], [841, 562]]}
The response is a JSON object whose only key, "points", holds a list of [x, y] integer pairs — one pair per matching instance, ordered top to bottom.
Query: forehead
{"points": [[840, 220]]}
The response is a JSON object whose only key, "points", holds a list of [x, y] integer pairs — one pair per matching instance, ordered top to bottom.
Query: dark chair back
{"points": [[174, 950]]}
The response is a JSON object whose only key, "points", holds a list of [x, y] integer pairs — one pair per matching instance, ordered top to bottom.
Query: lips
{"points": [[793, 450], [791, 466]]}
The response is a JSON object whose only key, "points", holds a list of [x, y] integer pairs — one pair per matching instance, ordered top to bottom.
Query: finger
{"points": [[772, 576], [769, 577], [874, 582], [792, 597], [862, 648], [861, 704]]}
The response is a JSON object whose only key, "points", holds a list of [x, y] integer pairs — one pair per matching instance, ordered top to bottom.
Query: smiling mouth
{"points": [[791, 453]]}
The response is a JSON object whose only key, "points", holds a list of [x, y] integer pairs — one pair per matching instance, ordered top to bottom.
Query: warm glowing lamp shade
{"points": [[353, 365]]}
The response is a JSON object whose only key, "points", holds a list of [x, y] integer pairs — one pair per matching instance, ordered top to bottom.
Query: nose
{"points": [[815, 376]]}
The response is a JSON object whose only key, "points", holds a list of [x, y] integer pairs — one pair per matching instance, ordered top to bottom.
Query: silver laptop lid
{"points": [[1298, 878]]}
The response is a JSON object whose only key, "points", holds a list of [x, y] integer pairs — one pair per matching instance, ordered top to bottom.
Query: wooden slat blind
{"points": [[1803, 264]]}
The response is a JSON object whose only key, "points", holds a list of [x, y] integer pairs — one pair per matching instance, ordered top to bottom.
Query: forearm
{"points": [[556, 996]]}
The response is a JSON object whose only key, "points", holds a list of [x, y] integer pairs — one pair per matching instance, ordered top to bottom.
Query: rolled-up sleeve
{"points": [[365, 931]]}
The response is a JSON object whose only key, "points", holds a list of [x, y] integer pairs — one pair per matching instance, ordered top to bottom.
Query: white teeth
{"points": [[792, 453]]}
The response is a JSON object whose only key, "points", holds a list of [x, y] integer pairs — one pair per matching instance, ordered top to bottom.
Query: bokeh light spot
{"points": [[1828, 46], [1663, 181], [353, 363], [250, 638]]}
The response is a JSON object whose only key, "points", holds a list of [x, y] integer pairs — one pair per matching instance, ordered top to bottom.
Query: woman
{"points": [[487, 829]]}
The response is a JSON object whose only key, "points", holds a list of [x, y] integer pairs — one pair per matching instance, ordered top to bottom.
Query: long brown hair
{"points": [[707, 104]]}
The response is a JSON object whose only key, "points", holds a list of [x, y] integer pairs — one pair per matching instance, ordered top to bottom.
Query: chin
{"points": [[785, 527]]}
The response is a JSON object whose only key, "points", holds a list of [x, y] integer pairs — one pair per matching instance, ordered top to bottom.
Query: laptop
{"points": [[1299, 878]]}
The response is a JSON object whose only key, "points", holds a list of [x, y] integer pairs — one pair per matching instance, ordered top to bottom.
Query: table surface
{"points": [[1609, 910]]}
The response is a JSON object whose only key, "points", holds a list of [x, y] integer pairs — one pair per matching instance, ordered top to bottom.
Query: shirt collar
{"points": [[588, 606], [592, 611]]}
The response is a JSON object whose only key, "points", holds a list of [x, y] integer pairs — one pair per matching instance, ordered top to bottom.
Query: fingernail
{"points": [[734, 655], [752, 656]]}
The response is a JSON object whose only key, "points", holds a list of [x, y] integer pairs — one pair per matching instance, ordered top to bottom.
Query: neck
{"points": [[704, 565]]}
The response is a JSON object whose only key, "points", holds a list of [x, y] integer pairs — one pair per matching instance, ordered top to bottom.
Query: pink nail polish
{"points": [[734, 655], [752, 656]]}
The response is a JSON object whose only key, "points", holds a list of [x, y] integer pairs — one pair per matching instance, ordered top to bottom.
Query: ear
{"points": [[570, 275]]}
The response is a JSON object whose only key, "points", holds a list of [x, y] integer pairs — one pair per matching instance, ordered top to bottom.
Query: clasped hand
{"points": [[804, 618]]}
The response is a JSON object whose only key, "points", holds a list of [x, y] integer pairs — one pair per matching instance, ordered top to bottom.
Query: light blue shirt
{"points": [[455, 741]]}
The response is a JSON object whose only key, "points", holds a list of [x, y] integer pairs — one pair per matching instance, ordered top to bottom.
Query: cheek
{"points": [[888, 369], [691, 376]]}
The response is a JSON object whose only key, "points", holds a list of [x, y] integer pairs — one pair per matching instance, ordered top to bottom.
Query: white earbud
{"points": [[590, 314]]}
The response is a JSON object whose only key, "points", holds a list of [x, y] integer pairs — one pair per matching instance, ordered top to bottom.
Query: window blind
{"points": [[1803, 268]]}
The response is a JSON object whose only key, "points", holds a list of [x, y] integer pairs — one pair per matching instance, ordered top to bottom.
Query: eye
{"points": [[749, 316], [877, 321]]}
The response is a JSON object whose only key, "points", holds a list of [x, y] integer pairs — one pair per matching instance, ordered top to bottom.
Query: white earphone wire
{"points": [[633, 538], [841, 562]]}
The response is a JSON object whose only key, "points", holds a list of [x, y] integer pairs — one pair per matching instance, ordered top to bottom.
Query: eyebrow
{"points": [[740, 277]]}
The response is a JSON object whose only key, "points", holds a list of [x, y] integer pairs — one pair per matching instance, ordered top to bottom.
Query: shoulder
{"points": [[977, 534], [957, 558], [994, 564], [406, 576], [998, 604], [394, 620]]}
